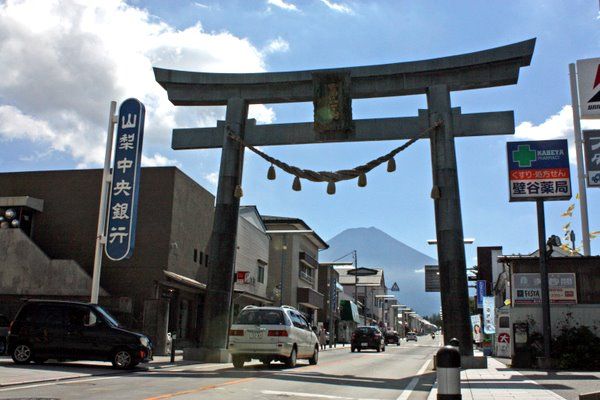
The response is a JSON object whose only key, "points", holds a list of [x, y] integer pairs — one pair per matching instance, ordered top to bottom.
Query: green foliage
{"points": [[576, 348]]}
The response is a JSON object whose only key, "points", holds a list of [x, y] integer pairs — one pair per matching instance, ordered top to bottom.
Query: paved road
{"points": [[399, 373]]}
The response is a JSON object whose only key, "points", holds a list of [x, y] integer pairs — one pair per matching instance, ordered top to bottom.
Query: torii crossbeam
{"points": [[435, 78]]}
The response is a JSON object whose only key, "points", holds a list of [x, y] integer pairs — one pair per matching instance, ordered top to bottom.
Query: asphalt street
{"points": [[401, 372]]}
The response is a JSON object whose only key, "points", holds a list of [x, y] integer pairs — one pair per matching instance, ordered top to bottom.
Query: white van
{"points": [[272, 334]]}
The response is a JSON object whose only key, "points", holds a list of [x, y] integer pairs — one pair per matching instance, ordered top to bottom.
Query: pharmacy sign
{"points": [[539, 170]]}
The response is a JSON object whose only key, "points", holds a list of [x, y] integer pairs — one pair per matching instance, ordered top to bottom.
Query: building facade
{"points": [[293, 260], [158, 290]]}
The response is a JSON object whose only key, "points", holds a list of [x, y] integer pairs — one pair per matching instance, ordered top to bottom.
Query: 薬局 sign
{"points": [[588, 82], [591, 144], [539, 170], [124, 192], [562, 286]]}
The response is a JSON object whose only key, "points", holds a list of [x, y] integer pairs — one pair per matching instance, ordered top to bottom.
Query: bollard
{"points": [[448, 373]]}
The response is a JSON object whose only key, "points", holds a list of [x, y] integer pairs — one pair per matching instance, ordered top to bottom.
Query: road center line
{"points": [[413, 382]]}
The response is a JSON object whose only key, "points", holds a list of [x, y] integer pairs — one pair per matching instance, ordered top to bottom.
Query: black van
{"points": [[66, 330]]}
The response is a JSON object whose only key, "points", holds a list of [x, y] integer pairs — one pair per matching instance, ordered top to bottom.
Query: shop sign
{"points": [[527, 288]]}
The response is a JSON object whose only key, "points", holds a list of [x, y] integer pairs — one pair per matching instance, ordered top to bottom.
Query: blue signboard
{"points": [[539, 170], [124, 193], [481, 292]]}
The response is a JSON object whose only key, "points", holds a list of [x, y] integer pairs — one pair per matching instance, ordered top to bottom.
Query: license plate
{"points": [[255, 334], [364, 344]]}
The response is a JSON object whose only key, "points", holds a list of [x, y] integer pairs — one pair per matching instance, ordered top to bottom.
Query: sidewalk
{"points": [[12, 374], [498, 382]]}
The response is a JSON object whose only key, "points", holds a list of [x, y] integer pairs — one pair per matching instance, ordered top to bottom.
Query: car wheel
{"points": [[398, 344], [2, 346], [378, 348], [383, 348], [352, 349], [358, 349], [22, 354], [315, 357], [123, 359], [238, 362], [266, 362], [290, 362]]}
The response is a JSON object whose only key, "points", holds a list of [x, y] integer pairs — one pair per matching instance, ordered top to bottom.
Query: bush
{"points": [[576, 348]]}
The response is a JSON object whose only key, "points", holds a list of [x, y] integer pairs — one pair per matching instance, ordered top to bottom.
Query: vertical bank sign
{"points": [[588, 83], [539, 170], [124, 193]]}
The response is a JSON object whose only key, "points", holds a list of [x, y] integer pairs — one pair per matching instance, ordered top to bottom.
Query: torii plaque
{"points": [[435, 78]]}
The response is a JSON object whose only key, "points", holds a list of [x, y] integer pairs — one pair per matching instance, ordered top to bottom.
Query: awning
{"points": [[184, 280], [252, 296]]}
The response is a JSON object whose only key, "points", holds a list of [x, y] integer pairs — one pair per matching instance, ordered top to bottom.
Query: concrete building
{"points": [[251, 261], [293, 265], [329, 286], [369, 287], [159, 289], [574, 295]]}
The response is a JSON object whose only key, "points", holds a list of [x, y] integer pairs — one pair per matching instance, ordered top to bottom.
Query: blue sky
{"points": [[62, 62]]}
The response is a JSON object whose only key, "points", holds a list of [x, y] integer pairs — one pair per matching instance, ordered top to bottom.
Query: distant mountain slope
{"points": [[401, 264]]}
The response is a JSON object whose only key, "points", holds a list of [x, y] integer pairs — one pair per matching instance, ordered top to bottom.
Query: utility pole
{"points": [[546, 328]]}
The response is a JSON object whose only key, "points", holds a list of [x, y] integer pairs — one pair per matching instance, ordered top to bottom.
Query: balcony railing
{"points": [[308, 260], [307, 277]]}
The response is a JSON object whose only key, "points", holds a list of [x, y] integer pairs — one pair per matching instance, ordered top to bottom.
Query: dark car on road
{"points": [[64, 330], [367, 337], [392, 337]]}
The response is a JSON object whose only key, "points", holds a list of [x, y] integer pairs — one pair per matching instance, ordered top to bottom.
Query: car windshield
{"points": [[260, 317], [109, 318]]}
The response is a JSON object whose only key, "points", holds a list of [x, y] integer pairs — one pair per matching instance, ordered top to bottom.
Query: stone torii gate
{"points": [[435, 78]]}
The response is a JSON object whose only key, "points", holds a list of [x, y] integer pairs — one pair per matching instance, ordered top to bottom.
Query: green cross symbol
{"points": [[524, 155]]}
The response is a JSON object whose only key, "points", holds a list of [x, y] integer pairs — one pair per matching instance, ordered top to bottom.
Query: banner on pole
{"points": [[588, 83], [591, 145], [539, 169], [124, 192], [432, 278], [481, 292], [489, 325], [476, 328]]}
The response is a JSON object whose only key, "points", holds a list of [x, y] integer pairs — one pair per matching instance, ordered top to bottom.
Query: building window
{"points": [[195, 255], [201, 257], [206, 260], [306, 273], [261, 274]]}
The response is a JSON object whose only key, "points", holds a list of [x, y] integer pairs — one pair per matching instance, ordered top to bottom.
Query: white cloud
{"points": [[282, 4], [200, 5], [338, 7], [278, 45], [63, 61], [557, 126], [157, 160], [212, 178], [420, 271]]}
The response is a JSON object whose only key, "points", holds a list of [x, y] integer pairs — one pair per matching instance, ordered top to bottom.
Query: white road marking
{"points": [[58, 382], [413, 382], [310, 395]]}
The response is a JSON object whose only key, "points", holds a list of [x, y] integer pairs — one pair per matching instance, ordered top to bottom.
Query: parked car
{"points": [[4, 323], [65, 330], [272, 334], [411, 336], [367, 337], [392, 337]]}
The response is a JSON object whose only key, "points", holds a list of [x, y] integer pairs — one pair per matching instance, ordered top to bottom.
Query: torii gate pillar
{"points": [[448, 221]]}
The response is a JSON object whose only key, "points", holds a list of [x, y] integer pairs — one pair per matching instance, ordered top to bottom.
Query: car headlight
{"points": [[144, 341]]}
